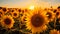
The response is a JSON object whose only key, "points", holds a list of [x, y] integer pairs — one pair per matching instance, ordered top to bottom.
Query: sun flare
{"points": [[31, 7]]}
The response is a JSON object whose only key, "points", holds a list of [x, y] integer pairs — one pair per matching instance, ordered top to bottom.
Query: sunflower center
{"points": [[0, 7], [4, 9], [12, 10], [19, 10], [0, 12], [57, 13], [15, 14], [0, 15], [49, 15], [37, 20], [7, 21]]}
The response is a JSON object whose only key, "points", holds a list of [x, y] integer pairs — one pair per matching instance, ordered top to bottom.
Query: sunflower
{"points": [[0, 8], [4, 10], [7, 10], [11, 10], [19, 10], [55, 11], [22, 12], [1, 13], [15, 14], [58, 14], [50, 15], [23, 18], [0, 19], [7, 21], [36, 21], [54, 31], [59, 31]]}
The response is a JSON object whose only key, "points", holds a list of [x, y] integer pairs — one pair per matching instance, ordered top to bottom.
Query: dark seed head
{"points": [[0, 7], [4, 9], [19, 10], [0, 12], [57, 13], [15, 14], [49, 15], [37, 20], [7, 21]]}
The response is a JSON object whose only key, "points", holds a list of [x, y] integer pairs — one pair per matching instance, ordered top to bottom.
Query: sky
{"points": [[27, 3]]}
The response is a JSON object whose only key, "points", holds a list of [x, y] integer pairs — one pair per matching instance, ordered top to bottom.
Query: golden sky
{"points": [[27, 3]]}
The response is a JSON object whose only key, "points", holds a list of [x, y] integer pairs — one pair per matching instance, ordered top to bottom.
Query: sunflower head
{"points": [[0, 8], [58, 8], [4, 9], [12, 10], [19, 10], [25, 10], [22, 11], [55, 11], [1, 13], [15, 14], [58, 14], [50, 15], [23, 18], [7, 21], [36, 21], [59, 31], [54, 32]]}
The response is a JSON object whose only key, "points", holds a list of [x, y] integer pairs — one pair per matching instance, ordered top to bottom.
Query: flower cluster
{"points": [[26, 21]]}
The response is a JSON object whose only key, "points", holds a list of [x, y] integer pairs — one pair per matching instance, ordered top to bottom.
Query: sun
{"points": [[31, 7]]}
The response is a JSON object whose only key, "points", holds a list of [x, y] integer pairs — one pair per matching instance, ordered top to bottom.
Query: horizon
{"points": [[27, 3]]}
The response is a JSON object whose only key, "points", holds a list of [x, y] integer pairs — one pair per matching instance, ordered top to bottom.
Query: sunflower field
{"points": [[26, 21]]}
